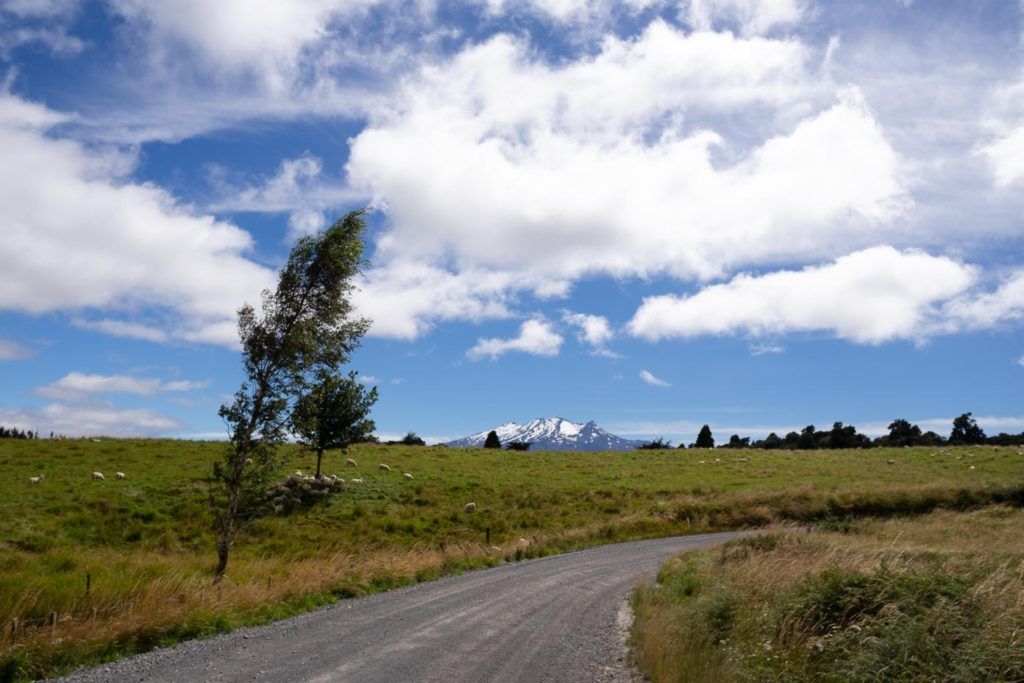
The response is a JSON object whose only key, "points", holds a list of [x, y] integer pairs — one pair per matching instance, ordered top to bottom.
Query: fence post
{"points": [[88, 583], [53, 621]]}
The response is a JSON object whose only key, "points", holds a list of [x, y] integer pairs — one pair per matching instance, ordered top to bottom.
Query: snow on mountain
{"points": [[553, 434]]}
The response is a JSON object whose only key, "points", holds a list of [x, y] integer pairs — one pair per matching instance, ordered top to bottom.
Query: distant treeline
{"points": [[965, 432], [15, 433]]}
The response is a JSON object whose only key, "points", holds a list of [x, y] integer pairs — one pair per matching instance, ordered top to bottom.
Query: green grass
{"points": [[145, 542], [937, 597]]}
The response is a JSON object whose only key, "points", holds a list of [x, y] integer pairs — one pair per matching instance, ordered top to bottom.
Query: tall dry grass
{"points": [[937, 597]]}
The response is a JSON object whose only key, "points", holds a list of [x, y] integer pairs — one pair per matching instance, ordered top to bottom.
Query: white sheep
{"points": [[94, 440], [248, 461], [891, 461], [350, 463], [971, 467], [384, 468], [298, 473], [98, 476], [120, 476], [408, 476], [35, 481], [356, 481], [470, 507]]}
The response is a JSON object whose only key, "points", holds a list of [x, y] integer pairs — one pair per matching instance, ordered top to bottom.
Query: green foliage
{"points": [[304, 332], [332, 414], [966, 431], [704, 438], [412, 439], [492, 440], [658, 444]]}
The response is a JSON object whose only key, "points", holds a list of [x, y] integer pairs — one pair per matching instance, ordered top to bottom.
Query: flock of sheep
{"points": [[333, 478]]}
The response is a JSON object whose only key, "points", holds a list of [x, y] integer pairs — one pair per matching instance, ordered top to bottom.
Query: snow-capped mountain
{"points": [[553, 434]]}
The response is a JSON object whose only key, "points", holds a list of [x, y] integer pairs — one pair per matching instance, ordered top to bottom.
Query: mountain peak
{"points": [[553, 434]]}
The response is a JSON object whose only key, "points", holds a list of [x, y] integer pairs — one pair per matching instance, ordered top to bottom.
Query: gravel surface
{"points": [[560, 618]]}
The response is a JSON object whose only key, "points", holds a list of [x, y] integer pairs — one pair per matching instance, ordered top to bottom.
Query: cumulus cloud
{"points": [[752, 17], [584, 168], [78, 236], [869, 296], [987, 309], [593, 330], [537, 337], [11, 350], [652, 380], [78, 385], [98, 420]]}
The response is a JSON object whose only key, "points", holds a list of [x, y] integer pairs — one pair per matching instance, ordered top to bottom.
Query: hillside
{"points": [[145, 547]]}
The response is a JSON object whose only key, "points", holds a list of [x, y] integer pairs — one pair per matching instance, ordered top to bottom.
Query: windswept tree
{"points": [[305, 328], [332, 414], [902, 433], [704, 438], [412, 439], [492, 440]]}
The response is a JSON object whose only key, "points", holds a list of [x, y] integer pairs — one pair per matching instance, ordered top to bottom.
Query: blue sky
{"points": [[757, 214]]}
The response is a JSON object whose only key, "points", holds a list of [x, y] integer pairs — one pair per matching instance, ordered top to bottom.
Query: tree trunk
{"points": [[319, 457], [223, 547]]}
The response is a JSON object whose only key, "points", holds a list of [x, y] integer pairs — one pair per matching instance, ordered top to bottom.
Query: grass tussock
{"points": [[145, 548], [938, 597]]}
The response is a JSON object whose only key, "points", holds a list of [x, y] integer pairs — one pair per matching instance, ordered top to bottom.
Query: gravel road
{"points": [[560, 618]]}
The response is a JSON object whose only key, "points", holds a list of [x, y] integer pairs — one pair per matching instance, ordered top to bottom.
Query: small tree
{"points": [[305, 327], [332, 414], [966, 431], [704, 438], [411, 439], [492, 440], [656, 445]]}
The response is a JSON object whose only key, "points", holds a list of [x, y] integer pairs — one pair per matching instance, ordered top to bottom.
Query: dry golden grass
{"points": [[915, 598]]}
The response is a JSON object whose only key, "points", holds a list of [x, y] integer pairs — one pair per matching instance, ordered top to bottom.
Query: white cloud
{"points": [[752, 17], [41, 22], [1006, 156], [499, 161], [77, 236], [869, 296], [404, 298], [987, 309], [124, 329], [594, 330], [536, 336], [766, 348], [11, 350], [1020, 361], [652, 380], [78, 385], [101, 420]]}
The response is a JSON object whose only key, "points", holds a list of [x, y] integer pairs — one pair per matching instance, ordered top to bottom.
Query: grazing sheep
{"points": [[94, 440], [742, 459], [718, 460], [248, 461], [891, 461], [701, 462], [350, 463], [971, 467], [384, 468], [298, 473], [120, 475], [97, 476], [407, 476], [35, 481], [356, 481], [470, 507]]}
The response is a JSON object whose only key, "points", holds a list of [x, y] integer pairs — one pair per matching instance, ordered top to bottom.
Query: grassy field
{"points": [[145, 545], [937, 597]]}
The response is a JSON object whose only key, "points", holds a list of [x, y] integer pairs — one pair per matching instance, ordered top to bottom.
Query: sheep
{"points": [[94, 440], [248, 461], [891, 461], [350, 463], [971, 467], [384, 468], [298, 473], [98, 476], [120, 476], [408, 476], [35, 481], [356, 481], [470, 507]]}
